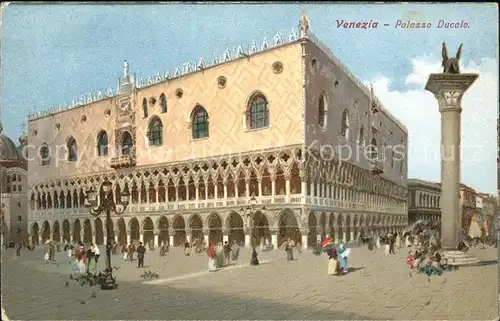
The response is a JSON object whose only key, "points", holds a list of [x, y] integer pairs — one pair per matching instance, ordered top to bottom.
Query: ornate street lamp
{"points": [[107, 205], [250, 211]]}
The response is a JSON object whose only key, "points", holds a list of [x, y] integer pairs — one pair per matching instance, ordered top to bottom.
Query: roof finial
{"points": [[304, 24], [126, 69]]}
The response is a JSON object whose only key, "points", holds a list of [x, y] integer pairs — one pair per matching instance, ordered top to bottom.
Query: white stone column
{"points": [[448, 90], [259, 185], [287, 188], [303, 188], [216, 190], [225, 190], [344, 235], [128, 237], [141, 237], [189, 237], [116, 238], [205, 238], [225, 238], [93, 239], [274, 239], [171, 240], [248, 242], [156, 244], [305, 244]]}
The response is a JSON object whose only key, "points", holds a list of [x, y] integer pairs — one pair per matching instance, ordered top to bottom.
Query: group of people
{"points": [[390, 242], [128, 252], [222, 255], [337, 259], [85, 260], [429, 264]]}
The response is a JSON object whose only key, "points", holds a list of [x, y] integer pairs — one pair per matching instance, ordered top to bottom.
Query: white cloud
{"points": [[418, 109]]}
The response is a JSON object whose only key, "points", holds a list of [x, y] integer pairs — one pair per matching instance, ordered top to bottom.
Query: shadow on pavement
{"points": [[30, 294]]}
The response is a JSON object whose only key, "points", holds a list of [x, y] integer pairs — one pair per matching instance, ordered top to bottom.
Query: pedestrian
{"points": [[289, 245], [387, 245], [391, 245], [18, 249], [162, 249], [187, 249], [219, 250], [131, 251], [235, 251], [52, 252], [125, 252], [97, 253], [227, 253], [140, 255], [212, 255], [342, 257], [332, 261]]}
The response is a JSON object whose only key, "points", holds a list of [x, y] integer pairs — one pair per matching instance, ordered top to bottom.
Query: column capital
{"points": [[449, 89]]}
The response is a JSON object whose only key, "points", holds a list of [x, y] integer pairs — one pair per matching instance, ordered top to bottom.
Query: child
{"points": [[410, 261]]}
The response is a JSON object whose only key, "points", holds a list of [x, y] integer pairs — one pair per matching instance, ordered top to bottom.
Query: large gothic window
{"points": [[163, 103], [145, 107], [322, 110], [257, 112], [199, 119], [344, 129], [155, 132], [361, 137], [127, 143], [102, 144], [373, 149], [72, 150], [45, 155]]}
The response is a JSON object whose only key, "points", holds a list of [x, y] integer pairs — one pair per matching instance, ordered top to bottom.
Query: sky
{"points": [[52, 54]]}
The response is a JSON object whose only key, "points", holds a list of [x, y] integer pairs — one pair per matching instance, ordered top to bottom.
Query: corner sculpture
{"points": [[451, 65]]}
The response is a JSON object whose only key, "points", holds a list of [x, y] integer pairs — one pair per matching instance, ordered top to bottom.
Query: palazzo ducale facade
{"points": [[194, 148]]}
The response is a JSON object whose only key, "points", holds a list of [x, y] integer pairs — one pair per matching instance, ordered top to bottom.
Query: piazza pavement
{"points": [[377, 288]]}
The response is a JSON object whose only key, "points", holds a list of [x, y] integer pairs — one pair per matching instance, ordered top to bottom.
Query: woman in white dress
{"points": [[377, 241], [387, 243]]}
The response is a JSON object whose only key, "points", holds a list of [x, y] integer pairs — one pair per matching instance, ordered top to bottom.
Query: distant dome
{"points": [[8, 150]]}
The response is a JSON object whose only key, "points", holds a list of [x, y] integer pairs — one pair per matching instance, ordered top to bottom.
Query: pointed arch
{"points": [[163, 103], [144, 108], [322, 110], [257, 111], [199, 121], [344, 126], [155, 132], [102, 143], [126, 143], [72, 149]]}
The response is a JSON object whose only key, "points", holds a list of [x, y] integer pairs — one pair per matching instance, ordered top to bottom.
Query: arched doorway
{"points": [[312, 223], [322, 223], [234, 224], [162, 226], [196, 226], [340, 226], [288, 227], [214, 228], [348, 228], [77, 229], [148, 229], [134, 230], [179, 230], [261, 230], [45, 231], [66, 231], [56, 232], [87, 232], [99, 232], [122, 232], [35, 237]]}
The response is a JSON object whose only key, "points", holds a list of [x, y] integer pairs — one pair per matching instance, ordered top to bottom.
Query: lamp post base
{"points": [[254, 260], [109, 282]]}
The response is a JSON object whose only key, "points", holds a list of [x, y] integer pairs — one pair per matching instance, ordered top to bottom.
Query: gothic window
{"points": [[163, 103], [145, 107], [322, 110], [257, 112], [199, 119], [344, 129], [155, 132], [361, 137], [127, 143], [102, 144], [373, 149], [72, 150], [45, 155]]}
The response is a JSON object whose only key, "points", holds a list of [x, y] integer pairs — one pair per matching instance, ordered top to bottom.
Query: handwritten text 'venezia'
{"points": [[357, 24]]}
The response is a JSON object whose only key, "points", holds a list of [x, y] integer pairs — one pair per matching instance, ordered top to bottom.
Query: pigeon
{"points": [[71, 277], [429, 279], [66, 285], [93, 295], [82, 302], [428, 302]]}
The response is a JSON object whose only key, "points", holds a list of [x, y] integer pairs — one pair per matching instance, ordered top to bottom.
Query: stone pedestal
{"points": [[448, 90], [459, 258]]}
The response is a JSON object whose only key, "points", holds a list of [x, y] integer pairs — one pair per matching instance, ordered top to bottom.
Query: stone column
{"points": [[448, 90], [287, 187], [189, 235], [141, 236], [128, 237], [225, 238], [274, 238], [93, 239], [171, 240], [248, 240], [304, 241], [155, 242]]}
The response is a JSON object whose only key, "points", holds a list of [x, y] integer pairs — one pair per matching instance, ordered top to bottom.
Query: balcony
{"points": [[123, 161], [376, 166]]}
